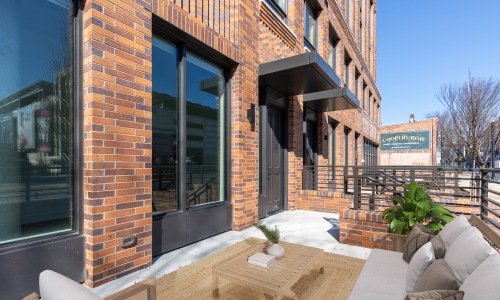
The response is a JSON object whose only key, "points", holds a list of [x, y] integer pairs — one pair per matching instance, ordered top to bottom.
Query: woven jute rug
{"points": [[195, 280]]}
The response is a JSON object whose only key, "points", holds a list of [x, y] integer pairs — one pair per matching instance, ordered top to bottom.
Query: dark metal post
{"points": [[492, 150], [455, 172], [412, 175], [345, 179], [357, 192], [484, 196]]}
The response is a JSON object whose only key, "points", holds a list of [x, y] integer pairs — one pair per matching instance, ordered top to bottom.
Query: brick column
{"points": [[117, 137], [244, 141]]}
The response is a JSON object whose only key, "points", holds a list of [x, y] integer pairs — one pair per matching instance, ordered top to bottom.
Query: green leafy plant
{"points": [[415, 206], [273, 235]]}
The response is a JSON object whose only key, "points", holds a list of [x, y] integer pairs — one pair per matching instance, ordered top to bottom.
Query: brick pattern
{"points": [[203, 26], [276, 26], [274, 44], [117, 136], [244, 136], [424, 157], [332, 202], [357, 227]]}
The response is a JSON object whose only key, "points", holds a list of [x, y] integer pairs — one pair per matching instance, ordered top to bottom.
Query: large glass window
{"points": [[311, 28], [333, 41], [205, 87], [200, 109], [36, 119], [165, 129], [370, 153]]}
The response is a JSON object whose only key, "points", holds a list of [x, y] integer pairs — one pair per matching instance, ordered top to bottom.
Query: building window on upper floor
{"points": [[280, 7], [347, 15], [361, 26], [310, 27], [333, 41], [347, 63], [357, 77], [365, 87], [367, 108], [378, 113], [370, 153]]}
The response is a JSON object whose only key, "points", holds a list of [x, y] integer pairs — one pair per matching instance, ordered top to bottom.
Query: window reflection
{"points": [[165, 110], [36, 120], [205, 131]]}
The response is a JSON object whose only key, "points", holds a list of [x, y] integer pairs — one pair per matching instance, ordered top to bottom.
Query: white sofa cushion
{"points": [[453, 229], [466, 253], [422, 259], [382, 277], [483, 283], [54, 286]]}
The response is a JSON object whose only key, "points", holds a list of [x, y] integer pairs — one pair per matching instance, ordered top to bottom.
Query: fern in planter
{"points": [[415, 206], [273, 235]]}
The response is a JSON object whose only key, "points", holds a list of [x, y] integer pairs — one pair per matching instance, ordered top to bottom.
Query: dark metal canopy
{"points": [[297, 75], [308, 75], [331, 100]]}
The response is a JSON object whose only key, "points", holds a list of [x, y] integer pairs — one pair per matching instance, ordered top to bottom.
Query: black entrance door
{"points": [[274, 160]]}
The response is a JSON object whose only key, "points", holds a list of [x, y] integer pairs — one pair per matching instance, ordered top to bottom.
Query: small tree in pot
{"points": [[415, 206], [273, 236]]}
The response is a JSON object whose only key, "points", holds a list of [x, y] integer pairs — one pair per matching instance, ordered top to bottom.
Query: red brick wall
{"points": [[117, 114], [117, 136], [411, 157], [332, 202], [357, 227]]}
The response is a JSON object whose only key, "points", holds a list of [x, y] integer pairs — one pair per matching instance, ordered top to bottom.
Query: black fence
{"points": [[462, 191]]}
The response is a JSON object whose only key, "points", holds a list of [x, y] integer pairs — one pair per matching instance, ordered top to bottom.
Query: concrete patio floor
{"points": [[315, 229]]}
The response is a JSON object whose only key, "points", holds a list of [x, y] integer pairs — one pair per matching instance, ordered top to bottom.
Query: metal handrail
{"points": [[462, 191]]}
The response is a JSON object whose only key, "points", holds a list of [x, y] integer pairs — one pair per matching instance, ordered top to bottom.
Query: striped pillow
{"points": [[419, 235]]}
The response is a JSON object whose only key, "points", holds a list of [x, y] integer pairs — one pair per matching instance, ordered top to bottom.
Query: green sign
{"points": [[413, 140]]}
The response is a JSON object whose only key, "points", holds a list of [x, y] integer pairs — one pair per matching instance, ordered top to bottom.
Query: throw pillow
{"points": [[453, 229], [419, 235], [438, 246], [466, 253], [422, 259], [438, 276], [483, 283], [54, 286], [436, 295]]}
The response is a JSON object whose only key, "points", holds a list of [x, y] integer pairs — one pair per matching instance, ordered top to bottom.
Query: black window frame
{"points": [[281, 11], [333, 42], [184, 44], [311, 45], [370, 152], [77, 170]]}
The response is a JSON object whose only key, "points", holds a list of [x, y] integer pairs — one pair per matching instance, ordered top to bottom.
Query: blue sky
{"points": [[424, 44]]}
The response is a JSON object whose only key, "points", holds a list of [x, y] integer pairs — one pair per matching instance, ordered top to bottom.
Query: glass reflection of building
{"points": [[36, 120], [204, 124]]}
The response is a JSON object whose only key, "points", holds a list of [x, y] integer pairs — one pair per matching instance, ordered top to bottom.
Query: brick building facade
{"points": [[171, 129], [404, 156]]}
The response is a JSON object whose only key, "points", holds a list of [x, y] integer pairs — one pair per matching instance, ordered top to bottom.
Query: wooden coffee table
{"points": [[282, 274]]}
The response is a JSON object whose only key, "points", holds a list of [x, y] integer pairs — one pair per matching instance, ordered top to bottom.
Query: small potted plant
{"points": [[415, 206], [273, 236]]}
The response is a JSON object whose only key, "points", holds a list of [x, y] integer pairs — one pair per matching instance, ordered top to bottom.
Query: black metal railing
{"points": [[326, 178], [462, 191]]}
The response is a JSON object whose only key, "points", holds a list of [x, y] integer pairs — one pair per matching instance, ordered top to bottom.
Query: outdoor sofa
{"points": [[470, 263]]}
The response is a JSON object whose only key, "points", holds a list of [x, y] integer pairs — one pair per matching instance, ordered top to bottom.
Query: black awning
{"points": [[300, 74], [331, 100]]}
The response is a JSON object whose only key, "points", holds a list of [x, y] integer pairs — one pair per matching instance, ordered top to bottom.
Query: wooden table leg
{"points": [[321, 264], [215, 285], [278, 296]]}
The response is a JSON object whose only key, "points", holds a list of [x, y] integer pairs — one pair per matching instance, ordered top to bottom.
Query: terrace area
{"points": [[360, 194]]}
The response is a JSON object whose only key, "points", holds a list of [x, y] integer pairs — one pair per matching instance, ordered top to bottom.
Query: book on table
{"points": [[261, 259]]}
